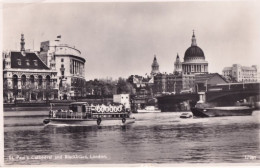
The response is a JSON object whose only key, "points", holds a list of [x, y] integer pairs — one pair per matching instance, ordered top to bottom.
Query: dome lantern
{"points": [[193, 40]]}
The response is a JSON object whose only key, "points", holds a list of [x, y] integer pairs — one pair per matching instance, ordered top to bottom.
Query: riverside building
{"points": [[70, 67], [57, 71], [239, 73], [26, 76]]}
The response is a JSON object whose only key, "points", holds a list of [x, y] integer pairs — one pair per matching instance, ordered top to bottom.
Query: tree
{"points": [[124, 87], [49, 90]]}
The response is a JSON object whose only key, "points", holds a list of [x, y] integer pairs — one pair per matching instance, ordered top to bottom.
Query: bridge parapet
{"points": [[233, 87], [232, 92]]}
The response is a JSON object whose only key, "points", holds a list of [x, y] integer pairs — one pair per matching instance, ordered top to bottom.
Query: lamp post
{"points": [[206, 85], [174, 87], [15, 93]]}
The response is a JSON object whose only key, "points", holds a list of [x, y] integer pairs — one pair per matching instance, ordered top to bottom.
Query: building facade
{"points": [[70, 67], [238, 73], [26, 77], [202, 81], [173, 83]]}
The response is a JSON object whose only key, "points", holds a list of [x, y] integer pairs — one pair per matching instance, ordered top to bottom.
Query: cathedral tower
{"points": [[177, 65], [155, 66]]}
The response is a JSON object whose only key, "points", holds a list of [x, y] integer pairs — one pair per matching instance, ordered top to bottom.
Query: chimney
{"points": [[22, 45]]}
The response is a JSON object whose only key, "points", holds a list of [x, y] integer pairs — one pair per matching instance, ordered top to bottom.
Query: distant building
{"points": [[70, 67], [238, 73], [26, 76], [183, 77], [139, 81], [202, 81], [159, 83], [172, 83], [185, 83], [142, 85]]}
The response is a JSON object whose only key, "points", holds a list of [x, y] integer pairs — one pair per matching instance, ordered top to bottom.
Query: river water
{"points": [[153, 138]]}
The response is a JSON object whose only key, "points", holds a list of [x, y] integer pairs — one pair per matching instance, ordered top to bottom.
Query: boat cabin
{"points": [[79, 107], [82, 110]]}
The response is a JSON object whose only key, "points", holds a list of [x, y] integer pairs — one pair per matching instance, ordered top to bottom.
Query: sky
{"points": [[119, 39]]}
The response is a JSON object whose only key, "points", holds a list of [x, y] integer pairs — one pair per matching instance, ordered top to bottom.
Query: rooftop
{"points": [[27, 61]]}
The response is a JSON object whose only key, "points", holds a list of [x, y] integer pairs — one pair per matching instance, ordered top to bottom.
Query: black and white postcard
{"points": [[121, 83]]}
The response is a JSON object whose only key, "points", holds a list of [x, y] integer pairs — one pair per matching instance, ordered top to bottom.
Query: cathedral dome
{"points": [[194, 51]]}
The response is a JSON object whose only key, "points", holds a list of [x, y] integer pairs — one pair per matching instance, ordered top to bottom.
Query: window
{"points": [[62, 60], [19, 62], [27, 62], [35, 62], [62, 66]]}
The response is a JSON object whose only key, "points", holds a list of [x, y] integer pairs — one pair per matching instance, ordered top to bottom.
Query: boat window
{"points": [[73, 108], [83, 108], [79, 109]]}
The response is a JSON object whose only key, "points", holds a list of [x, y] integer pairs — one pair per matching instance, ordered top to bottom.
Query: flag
{"points": [[59, 36]]}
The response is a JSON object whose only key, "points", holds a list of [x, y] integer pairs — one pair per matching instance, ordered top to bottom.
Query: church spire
{"points": [[193, 40]]}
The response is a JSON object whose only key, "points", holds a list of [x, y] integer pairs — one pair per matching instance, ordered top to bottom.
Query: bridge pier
{"points": [[202, 96]]}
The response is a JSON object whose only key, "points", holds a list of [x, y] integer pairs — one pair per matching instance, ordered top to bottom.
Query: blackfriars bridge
{"points": [[220, 94]]}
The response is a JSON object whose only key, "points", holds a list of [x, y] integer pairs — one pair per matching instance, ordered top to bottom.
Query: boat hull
{"points": [[148, 111], [221, 111], [88, 122]]}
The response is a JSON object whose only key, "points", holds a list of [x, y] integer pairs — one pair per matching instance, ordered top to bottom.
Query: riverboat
{"points": [[149, 109], [222, 111], [83, 114]]}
